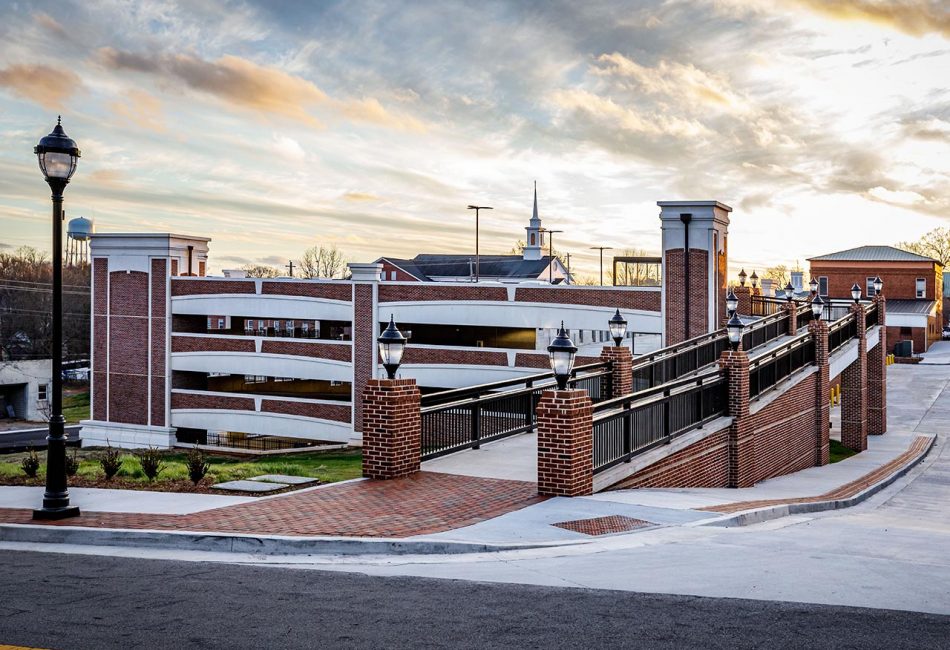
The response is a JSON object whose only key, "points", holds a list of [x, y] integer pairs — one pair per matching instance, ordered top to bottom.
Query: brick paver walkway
{"points": [[917, 448], [426, 502]]}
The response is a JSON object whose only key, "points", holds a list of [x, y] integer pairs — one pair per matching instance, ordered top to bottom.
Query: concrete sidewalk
{"points": [[432, 512]]}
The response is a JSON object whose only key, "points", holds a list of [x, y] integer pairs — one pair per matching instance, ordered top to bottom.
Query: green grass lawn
{"points": [[76, 407], [839, 452], [328, 466]]}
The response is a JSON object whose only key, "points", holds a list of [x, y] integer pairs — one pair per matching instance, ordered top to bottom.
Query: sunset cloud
{"points": [[914, 17], [45, 85]]}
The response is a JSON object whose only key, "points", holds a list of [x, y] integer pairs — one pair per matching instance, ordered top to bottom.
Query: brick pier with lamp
{"points": [[854, 393], [391, 428], [565, 443]]}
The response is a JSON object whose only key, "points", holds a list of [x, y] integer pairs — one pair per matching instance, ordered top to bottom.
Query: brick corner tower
{"points": [[695, 263], [131, 318]]}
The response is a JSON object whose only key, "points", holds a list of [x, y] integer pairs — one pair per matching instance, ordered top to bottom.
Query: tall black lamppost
{"points": [[57, 156], [477, 208], [602, 249], [551, 253]]}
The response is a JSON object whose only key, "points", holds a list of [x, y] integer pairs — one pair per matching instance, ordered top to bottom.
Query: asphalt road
{"points": [[24, 438], [71, 601]]}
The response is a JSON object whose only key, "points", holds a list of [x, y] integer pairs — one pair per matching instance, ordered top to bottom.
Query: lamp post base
{"points": [[53, 514]]}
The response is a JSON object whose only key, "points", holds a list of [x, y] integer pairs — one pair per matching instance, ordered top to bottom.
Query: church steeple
{"points": [[534, 240]]}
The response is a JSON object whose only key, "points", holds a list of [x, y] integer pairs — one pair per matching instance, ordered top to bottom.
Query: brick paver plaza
{"points": [[426, 502]]}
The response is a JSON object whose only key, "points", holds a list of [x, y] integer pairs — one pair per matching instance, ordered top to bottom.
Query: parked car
{"points": [[946, 333]]}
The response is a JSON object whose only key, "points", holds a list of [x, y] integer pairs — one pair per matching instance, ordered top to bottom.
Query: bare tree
{"points": [[935, 244], [322, 262], [260, 271], [779, 273], [635, 274]]}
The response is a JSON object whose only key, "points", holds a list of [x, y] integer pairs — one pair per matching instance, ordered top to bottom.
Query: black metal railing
{"points": [[766, 305], [871, 316], [764, 330], [841, 331], [671, 363], [766, 371], [479, 415], [627, 426]]}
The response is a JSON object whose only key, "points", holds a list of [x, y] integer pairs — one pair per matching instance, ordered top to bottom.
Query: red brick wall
{"points": [[401, 276], [900, 279], [203, 287], [328, 290], [428, 291], [613, 298], [675, 298], [159, 322], [819, 332], [917, 334], [100, 338], [206, 344], [310, 350], [128, 352], [365, 353], [469, 357], [541, 360], [877, 379], [621, 382], [854, 394], [194, 401], [335, 412], [391, 428], [785, 432], [565, 443], [742, 458], [702, 464]]}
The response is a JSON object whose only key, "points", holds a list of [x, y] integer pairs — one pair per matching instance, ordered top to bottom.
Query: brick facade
{"points": [[205, 287], [308, 289], [428, 291], [744, 295], [676, 299], [648, 300], [791, 311], [819, 332], [159, 333], [100, 339], [209, 344], [128, 347], [364, 347], [310, 350], [465, 357], [542, 360], [877, 376], [621, 380], [854, 393], [198, 401], [335, 412], [391, 428], [784, 431], [565, 443], [702, 464], [742, 470]]}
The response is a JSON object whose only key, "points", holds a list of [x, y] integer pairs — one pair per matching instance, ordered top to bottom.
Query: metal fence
{"points": [[766, 305], [871, 316], [842, 331], [769, 369], [482, 413], [627, 426]]}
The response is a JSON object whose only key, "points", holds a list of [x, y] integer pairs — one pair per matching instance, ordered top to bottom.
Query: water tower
{"points": [[78, 231]]}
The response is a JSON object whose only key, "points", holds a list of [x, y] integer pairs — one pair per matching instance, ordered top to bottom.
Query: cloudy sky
{"points": [[271, 126]]}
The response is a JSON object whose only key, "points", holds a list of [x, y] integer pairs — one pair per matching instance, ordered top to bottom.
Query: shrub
{"points": [[151, 461], [110, 462], [31, 464], [72, 464], [197, 467]]}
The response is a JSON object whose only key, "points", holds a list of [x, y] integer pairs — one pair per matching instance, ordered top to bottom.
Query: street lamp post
{"points": [[57, 155], [477, 208], [602, 249], [618, 328], [392, 344], [561, 353]]}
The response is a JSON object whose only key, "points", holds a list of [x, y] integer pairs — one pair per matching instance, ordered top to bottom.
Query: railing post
{"points": [[791, 310], [819, 332], [621, 370], [877, 375], [854, 390], [701, 397], [529, 410], [476, 423], [392, 428], [667, 430], [741, 432], [627, 433], [565, 443]]}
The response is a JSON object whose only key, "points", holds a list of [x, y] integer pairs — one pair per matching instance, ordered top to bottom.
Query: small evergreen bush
{"points": [[110, 461], [151, 461], [31, 464], [72, 464], [197, 466]]}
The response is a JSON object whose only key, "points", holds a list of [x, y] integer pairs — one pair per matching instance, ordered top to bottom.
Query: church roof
{"points": [[427, 267]]}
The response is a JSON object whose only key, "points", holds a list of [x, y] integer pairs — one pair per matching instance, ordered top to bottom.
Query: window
{"points": [[392, 275], [823, 285], [869, 288], [921, 288], [209, 322], [220, 323], [249, 326], [41, 393]]}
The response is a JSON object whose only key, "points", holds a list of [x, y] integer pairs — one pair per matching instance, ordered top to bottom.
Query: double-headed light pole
{"points": [[57, 155], [477, 208], [602, 249]]}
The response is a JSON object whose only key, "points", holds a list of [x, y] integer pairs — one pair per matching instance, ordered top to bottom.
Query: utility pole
{"points": [[477, 208], [601, 249], [551, 253], [568, 256], [290, 267]]}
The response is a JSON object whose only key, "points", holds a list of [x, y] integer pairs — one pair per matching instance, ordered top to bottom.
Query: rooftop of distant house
{"points": [[873, 254]]}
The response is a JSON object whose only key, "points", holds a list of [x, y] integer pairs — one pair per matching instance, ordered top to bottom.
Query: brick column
{"points": [[744, 294], [791, 308], [819, 332], [877, 376], [621, 380], [854, 392], [392, 428], [741, 433], [565, 443]]}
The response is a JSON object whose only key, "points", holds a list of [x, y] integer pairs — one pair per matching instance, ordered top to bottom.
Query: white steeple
{"points": [[534, 241]]}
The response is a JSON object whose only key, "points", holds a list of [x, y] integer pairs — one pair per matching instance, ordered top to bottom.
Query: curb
{"points": [[759, 515], [253, 544]]}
